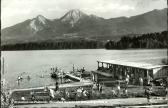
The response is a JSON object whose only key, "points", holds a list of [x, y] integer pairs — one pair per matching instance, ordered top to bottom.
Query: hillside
{"points": [[149, 41]]}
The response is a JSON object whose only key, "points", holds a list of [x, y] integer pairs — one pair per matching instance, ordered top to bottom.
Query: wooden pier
{"points": [[67, 85]]}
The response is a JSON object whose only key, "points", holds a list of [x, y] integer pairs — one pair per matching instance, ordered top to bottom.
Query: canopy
{"points": [[132, 64]]}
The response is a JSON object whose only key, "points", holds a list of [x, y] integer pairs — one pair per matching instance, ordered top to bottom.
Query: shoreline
{"points": [[88, 49], [100, 102]]}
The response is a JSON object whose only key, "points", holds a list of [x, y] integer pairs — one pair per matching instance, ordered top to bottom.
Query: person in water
{"points": [[28, 77]]}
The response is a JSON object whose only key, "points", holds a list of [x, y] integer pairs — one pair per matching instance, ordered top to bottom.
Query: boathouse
{"points": [[118, 70]]}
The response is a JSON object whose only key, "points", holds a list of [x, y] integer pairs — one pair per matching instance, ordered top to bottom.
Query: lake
{"points": [[38, 62]]}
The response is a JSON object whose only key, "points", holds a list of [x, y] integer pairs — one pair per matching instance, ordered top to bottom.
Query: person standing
{"points": [[127, 80], [141, 81], [167, 82], [56, 86], [98, 86], [101, 89], [118, 90], [79, 92], [113, 92], [125, 92], [148, 93], [166, 93], [51, 94], [32, 96]]}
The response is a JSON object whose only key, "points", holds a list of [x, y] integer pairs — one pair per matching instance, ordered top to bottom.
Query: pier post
{"points": [[98, 65], [107, 65], [73, 68]]}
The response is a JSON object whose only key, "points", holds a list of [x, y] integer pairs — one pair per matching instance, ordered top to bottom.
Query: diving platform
{"points": [[73, 77]]}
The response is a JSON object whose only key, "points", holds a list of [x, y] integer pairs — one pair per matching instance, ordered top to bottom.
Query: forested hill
{"points": [[150, 41], [48, 45]]}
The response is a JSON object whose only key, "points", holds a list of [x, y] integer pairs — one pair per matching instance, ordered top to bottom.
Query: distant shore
{"points": [[143, 41]]}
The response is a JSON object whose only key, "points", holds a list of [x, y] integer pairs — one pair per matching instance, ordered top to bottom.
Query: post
{"points": [[167, 55], [98, 64], [3, 66], [73, 68], [147, 75], [61, 76], [96, 77]]}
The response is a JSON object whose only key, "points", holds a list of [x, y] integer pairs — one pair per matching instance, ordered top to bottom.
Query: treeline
{"points": [[151, 41], [81, 44]]}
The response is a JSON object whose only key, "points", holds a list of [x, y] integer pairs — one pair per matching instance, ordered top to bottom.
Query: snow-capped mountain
{"points": [[73, 16], [38, 23], [75, 24]]}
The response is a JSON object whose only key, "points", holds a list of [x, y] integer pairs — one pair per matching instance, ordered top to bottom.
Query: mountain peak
{"points": [[76, 12], [73, 16], [41, 19], [38, 23]]}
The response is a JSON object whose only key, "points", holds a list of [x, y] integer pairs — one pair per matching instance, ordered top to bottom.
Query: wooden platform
{"points": [[67, 85]]}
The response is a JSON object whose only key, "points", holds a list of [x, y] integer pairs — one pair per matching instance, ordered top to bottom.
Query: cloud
{"points": [[14, 11]]}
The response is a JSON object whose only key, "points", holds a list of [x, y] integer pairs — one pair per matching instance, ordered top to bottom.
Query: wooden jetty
{"points": [[120, 70], [66, 85]]}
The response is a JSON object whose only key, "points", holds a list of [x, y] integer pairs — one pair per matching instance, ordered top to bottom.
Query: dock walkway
{"points": [[82, 82], [66, 85], [100, 102]]}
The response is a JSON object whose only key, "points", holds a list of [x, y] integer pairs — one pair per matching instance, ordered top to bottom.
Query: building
{"points": [[120, 70]]}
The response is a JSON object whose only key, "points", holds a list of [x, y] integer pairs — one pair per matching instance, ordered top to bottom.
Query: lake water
{"points": [[38, 62]]}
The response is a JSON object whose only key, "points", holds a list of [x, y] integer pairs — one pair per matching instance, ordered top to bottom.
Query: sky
{"points": [[16, 11]]}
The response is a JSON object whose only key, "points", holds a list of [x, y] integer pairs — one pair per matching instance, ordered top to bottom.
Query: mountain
{"points": [[72, 17], [39, 23], [77, 25]]}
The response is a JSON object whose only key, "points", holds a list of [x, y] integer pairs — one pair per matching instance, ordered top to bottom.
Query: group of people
{"points": [[98, 87], [118, 91], [148, 92], [82, 93], [66, 94]]}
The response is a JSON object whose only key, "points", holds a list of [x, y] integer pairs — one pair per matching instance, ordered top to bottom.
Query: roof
{"points": [[133, 64]]}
